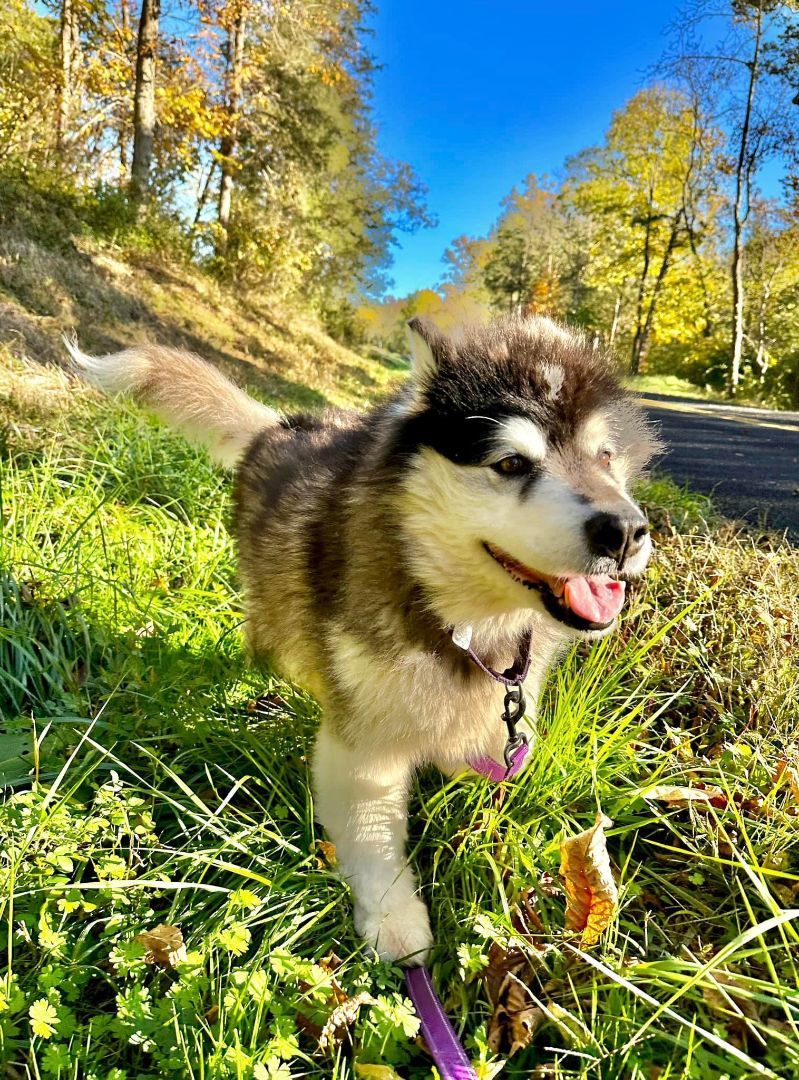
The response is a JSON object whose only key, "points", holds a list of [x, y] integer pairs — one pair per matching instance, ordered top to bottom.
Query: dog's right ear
{"points": [[428, 345]]}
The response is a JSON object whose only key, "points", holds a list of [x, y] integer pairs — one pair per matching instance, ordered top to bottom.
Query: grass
{"points": [[113, 299], [675, 386], [152, 777]]}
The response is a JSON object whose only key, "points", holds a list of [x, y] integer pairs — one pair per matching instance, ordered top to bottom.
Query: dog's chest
{"points": [[416, 701]]}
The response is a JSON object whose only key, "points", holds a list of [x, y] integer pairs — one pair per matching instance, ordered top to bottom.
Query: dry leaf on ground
{"points": [[675, 795], [326, 858], [590, 889], [164, 945], [725, 993], [516, 1015], [342, 1017], [376, 1072]]}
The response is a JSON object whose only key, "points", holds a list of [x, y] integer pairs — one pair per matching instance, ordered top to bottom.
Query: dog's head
{"points": [[519, 445]]}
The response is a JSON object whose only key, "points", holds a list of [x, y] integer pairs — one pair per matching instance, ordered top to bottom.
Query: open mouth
{"points": [[582, 601]]}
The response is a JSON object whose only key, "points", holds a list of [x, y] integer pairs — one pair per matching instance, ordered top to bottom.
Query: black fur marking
{"points": [[499, 372], [466, 439]]}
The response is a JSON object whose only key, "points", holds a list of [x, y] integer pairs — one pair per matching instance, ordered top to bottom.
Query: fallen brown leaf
{"points": [[674, 795], [326, 858], [590, 889], [164, 945], [501, 963], [329, 964], [508, 977], [725, 995], [342, 1017], [516, 1017]]}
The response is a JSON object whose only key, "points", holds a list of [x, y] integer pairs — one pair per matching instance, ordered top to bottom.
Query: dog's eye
{"points": [[605, 457], [514, 465]]}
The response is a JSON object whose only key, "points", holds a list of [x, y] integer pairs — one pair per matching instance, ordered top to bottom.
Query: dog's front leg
{"points": [[361, 800]]}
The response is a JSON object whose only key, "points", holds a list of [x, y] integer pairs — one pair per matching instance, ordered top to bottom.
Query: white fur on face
{"points": [[553, 376], [519, 435], [596, 435], [449, 511]]}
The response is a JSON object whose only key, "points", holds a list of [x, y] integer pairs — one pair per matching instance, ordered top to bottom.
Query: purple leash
{"points": [[448, 1054]]}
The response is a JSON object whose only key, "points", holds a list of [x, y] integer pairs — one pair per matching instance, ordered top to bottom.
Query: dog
{"points": [[392, 559]]}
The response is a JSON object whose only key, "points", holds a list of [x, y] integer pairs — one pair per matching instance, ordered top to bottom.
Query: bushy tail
{"points": [[187, 393]]}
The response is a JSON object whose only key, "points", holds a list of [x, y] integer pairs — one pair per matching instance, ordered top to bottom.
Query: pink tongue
{"points": [[597, 599]]}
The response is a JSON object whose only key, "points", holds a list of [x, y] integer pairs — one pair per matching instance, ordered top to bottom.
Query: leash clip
{"points": [[514, 710]]}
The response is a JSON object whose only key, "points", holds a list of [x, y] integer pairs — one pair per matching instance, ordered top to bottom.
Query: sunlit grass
{"points": [[153, 777]]}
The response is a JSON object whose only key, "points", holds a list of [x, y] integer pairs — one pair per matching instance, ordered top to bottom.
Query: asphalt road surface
{"points": [[747, 459]]}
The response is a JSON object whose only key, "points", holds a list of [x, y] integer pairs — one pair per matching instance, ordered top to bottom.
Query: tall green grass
{"points": [[151, 776]]}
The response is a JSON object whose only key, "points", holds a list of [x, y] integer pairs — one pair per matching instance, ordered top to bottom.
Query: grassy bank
{"points": [[674, 386], [153, 778]]}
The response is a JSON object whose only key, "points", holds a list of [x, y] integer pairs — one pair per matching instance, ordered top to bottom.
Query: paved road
{"points": [[748, 459]]}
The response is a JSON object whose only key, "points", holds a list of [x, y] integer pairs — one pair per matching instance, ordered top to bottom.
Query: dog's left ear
{"points": [[428, 346]]}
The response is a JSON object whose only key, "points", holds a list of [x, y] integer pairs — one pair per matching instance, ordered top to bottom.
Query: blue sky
{"points": [[476, 95]]}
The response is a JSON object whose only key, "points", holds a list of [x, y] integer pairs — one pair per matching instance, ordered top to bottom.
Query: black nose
{"points": [[616, 536]]}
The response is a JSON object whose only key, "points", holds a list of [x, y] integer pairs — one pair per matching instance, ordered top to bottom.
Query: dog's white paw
{"points": [[397, 930]]}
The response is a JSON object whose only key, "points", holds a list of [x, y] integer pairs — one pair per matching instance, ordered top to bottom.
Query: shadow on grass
{"points": [[65, 667]]}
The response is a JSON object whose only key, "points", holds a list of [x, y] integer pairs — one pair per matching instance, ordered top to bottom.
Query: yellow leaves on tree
{"points": [[590, 889]]}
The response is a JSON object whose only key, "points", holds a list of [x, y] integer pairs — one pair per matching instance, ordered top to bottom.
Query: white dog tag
{"points": [[462, 636]]}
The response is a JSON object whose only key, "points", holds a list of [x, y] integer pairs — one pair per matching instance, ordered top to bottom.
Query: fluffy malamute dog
{"points": [[486, 501]]}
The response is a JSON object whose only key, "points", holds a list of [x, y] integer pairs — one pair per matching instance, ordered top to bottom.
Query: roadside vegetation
{"points": [[675, 386], [154, 780]]}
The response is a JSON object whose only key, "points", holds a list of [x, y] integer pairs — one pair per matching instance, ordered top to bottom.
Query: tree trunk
{"points": [[69, 49], [144, 98], [122, 135], [228, 142], [202, 197], [741, 213], [614, 326], [646, 330], [635, 356]]}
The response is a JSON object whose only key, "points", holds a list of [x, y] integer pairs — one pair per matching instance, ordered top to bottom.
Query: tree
{"points": [[233, 18], [70, 50], [29, 78], [738, 87], [144, 115], [649, 185], [316, 206], [521, 268], [772, 285]]}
